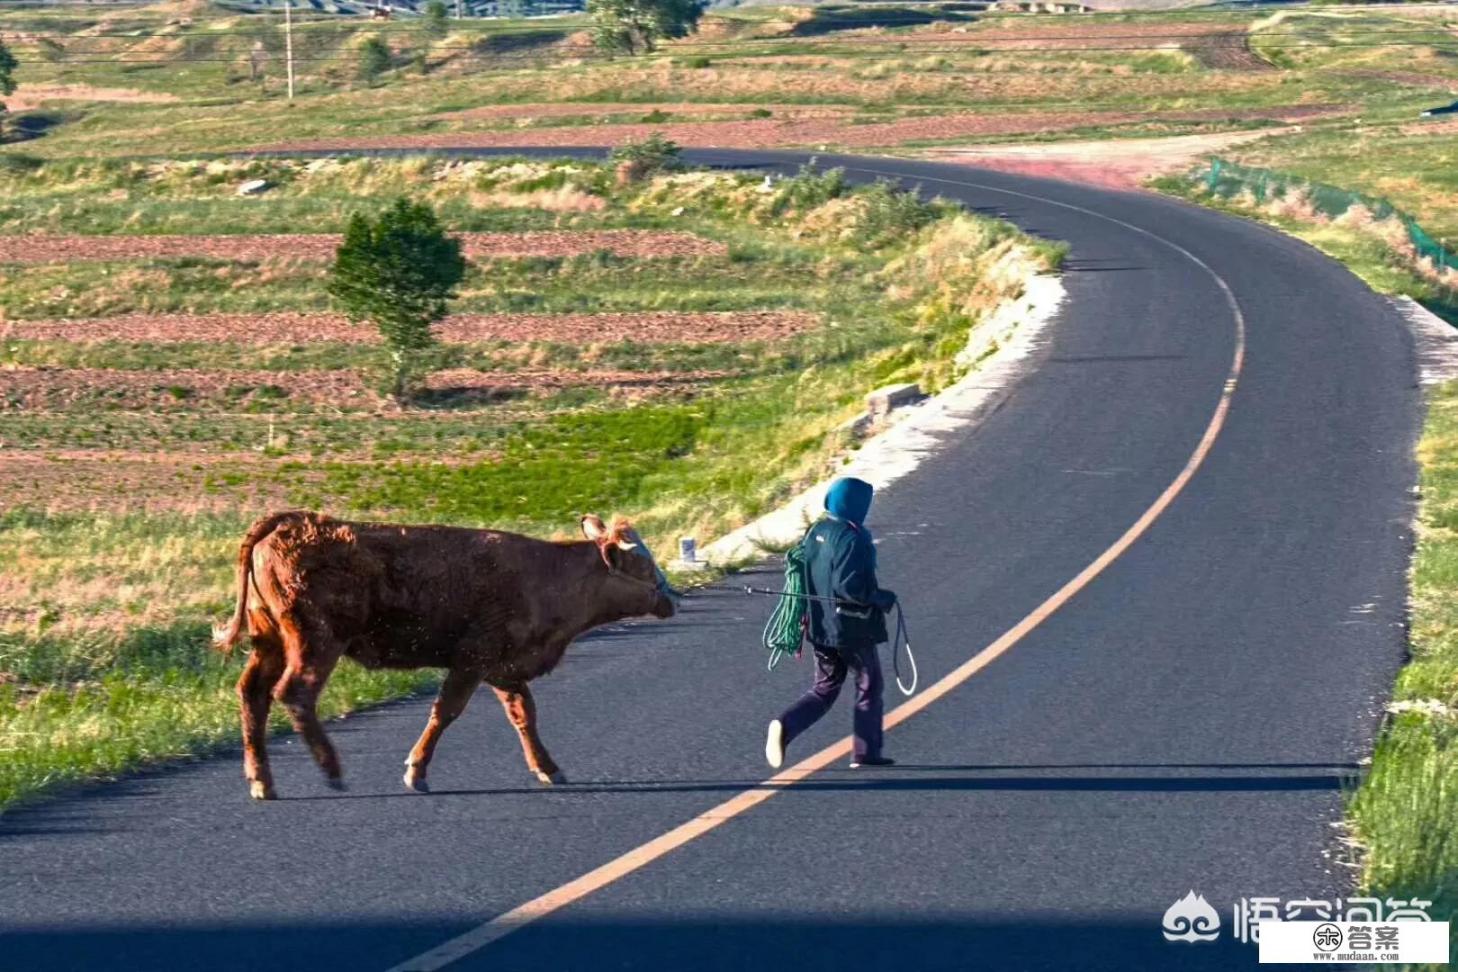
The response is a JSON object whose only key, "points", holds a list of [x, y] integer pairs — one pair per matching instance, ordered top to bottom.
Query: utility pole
{"points": [[289, 43]]}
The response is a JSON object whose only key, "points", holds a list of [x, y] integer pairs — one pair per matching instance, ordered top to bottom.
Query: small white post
{"points": [[289, 43]]}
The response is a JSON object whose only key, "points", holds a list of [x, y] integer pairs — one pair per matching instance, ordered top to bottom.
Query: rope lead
{"points": [[784, 632], [903, 639]]}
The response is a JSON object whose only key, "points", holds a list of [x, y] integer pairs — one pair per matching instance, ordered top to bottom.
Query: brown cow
{"points": [[482, 604]]}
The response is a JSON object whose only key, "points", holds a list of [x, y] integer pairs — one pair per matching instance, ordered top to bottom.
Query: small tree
{"points": [[435, 19], [636, 26], [374, 58], [8, 64], [638, 160], [397, 272]]}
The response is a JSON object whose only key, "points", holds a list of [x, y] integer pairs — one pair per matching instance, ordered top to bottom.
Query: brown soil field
{"points": [[1030, 34], [1228, 51], [589, 109], [769, 132], [638, 244], [294, 328], [187, 389]]}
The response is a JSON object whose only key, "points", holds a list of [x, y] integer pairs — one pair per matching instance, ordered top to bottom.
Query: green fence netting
{"points": [[1227, 179]]}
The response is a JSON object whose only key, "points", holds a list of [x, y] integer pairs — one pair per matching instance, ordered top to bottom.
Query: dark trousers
{"points": [[830, 669]]}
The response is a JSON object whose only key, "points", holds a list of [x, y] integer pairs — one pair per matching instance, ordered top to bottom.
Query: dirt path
{"points": [[1117, 163], [636, 244], [720, 327]]}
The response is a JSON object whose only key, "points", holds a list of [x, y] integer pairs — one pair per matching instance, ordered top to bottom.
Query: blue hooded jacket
{"points": [[850, 500], [840, 562]]}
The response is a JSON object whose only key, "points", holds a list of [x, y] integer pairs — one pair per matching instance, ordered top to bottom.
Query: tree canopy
{"points": [[636, 26], [8, 64], [397, 272]]}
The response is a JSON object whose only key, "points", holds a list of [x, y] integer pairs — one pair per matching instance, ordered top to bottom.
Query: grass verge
{"points": [[1404, 811]]}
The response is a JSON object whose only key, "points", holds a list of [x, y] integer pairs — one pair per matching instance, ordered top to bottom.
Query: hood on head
{"points": [[849, 499]]}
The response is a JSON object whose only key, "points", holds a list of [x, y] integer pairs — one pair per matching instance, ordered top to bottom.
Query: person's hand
{"points": [[885, 600]]}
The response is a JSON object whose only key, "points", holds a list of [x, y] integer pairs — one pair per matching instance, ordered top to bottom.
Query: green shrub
{"points": [[374, 58], [653, 154], [808, 189], [891, 214]]}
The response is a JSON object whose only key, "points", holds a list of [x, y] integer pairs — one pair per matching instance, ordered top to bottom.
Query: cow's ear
{"points": [[593, 528], [624, 535]]}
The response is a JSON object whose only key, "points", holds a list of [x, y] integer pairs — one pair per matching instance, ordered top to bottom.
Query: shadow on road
{"points": [[988, 778], [753, 941]]}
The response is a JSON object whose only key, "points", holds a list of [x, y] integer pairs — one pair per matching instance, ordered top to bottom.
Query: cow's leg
{"points": [[310, 653], [455, 693], [255, 695], [521, 709]]}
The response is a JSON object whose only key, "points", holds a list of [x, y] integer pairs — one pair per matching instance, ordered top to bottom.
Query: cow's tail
{"points": [[227, 635]]}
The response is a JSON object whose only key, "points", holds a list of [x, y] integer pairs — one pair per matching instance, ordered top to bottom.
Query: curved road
{"points": [[1185, 721]]}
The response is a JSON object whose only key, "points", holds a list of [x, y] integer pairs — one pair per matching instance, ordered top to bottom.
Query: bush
{"points": [[435, 18], [636, 26], [374, 58], [653, 154], [18, 164], [808, 189], [892, 214]]}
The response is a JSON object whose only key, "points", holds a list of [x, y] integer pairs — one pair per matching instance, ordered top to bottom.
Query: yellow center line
{"points": [[639, 857]]}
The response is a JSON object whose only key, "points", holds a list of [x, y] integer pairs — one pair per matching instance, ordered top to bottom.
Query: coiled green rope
{"points": [[784, 632]]}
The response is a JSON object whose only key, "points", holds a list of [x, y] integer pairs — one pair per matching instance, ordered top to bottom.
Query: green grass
{"points": [[1404, 811]]}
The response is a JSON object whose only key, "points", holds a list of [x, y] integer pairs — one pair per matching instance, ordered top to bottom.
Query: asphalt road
{"points": [[1186, 722]]}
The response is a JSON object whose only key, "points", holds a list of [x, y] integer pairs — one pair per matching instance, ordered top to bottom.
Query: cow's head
{"points": [[631, 566]]}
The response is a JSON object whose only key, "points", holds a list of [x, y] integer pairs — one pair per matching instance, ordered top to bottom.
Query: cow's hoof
{"points": [[549, 779], [335, 783], [416, 783], [260, 790]]}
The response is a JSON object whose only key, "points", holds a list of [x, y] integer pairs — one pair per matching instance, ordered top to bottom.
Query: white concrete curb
{"points": [[1435, 342], [919, 430]]}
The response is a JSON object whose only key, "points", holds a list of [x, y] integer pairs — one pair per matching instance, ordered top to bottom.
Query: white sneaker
{"points": [[774, 744]]}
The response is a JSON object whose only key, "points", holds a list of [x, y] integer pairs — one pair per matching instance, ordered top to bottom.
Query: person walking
{"points": [[840, 563]]}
